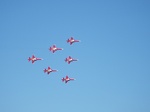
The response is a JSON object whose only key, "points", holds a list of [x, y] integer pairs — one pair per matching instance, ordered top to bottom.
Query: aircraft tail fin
{"points": [[67, 40], [50, 48], [29, 59], [66, 60], [45, 70], [63, 79]]}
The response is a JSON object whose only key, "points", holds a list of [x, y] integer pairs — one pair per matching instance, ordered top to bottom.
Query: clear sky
{"points": [[113, 71]]}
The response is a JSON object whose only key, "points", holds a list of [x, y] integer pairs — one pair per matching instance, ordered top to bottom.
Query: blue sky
{"points": [[113, 71]]}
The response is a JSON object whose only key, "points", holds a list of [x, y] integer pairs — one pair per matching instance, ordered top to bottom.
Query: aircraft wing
{"points": [[33, 56], [67, 77]]}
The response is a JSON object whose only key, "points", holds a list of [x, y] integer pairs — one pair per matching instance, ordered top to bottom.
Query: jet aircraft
{"points": [[71, 40], [54, 48], [33, 59], [70, 59], [49, 70], [66, 79]]}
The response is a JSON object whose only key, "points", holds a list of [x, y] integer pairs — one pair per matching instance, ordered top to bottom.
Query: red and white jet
{"points": [[72, 40], [54, 48], [33, 59], [70, 59], [49, 70], [66, 79]]}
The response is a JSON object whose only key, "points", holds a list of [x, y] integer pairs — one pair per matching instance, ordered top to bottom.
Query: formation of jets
{"points": [[53, 49]]}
